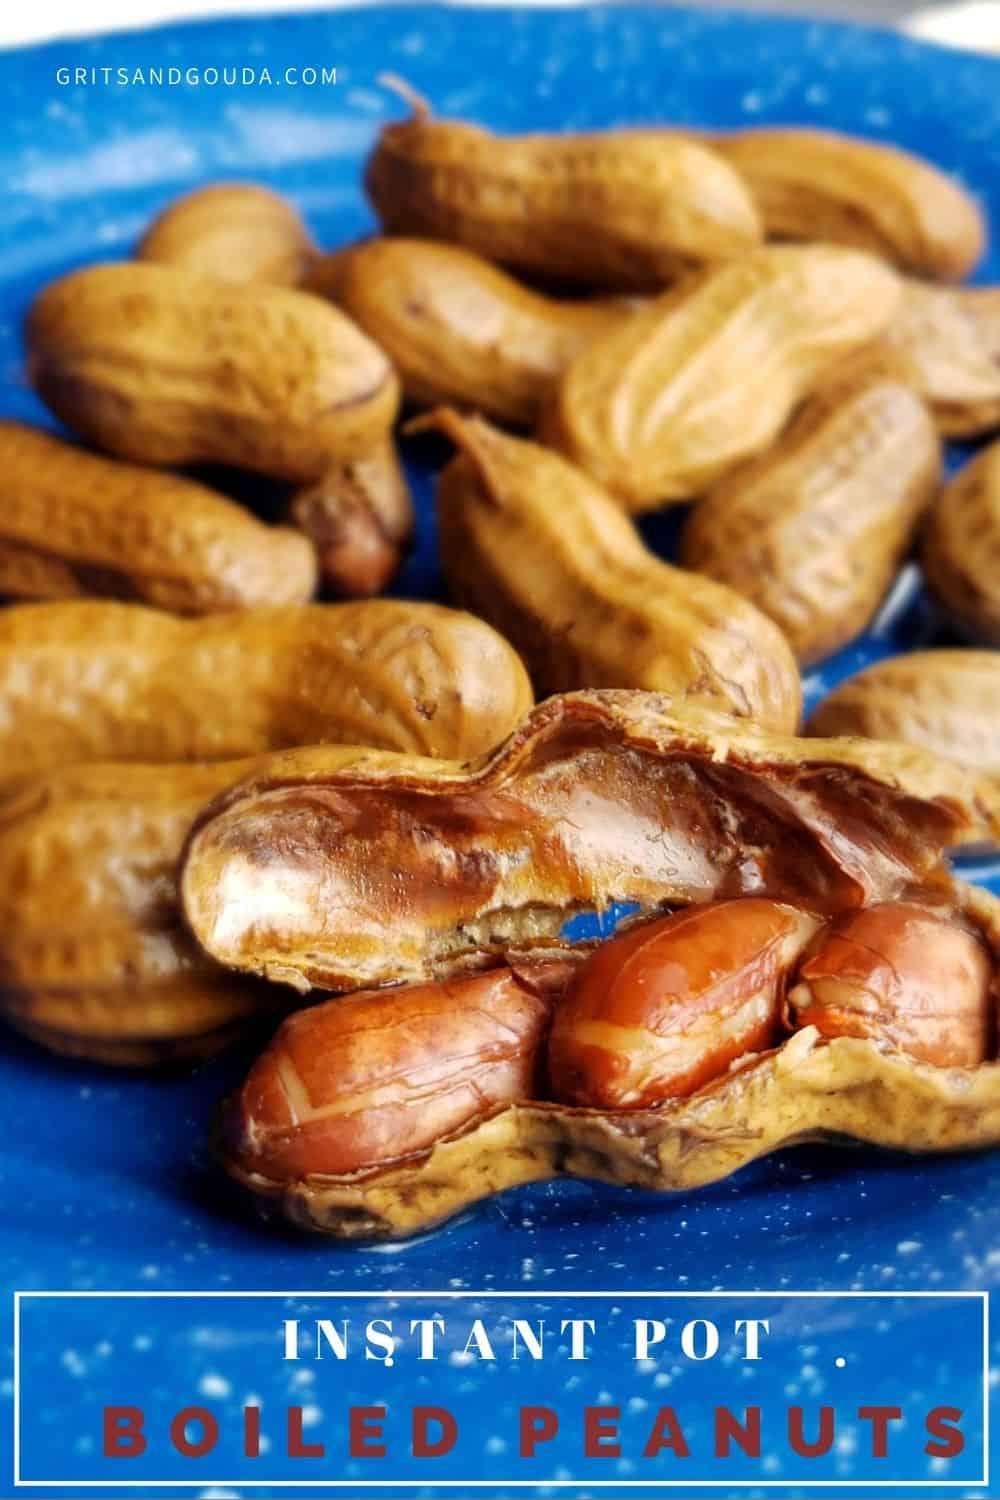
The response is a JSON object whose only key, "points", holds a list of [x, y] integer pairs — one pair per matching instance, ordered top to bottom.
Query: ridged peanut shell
{"points": [[821, 185], [625, 210], [238, 231], [459, 330], [950, 338], [164, 366], [665, 404], [359, 519], [74, 524], [813, 531], [537, 548], [960, 551], [90, 681], [943, 700], [334, 869], [95, 960]]}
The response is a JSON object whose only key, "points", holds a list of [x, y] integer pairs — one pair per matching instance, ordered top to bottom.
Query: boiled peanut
{"points": [[820, 185], [622, 210], [239, 231], [457, 329], [950, 338], [163, 366], [660, 407], [359, 518], [74, 524], [813, 531], [537, 548], [960, 553], [98, 681], [942, 700], [325, 868], [94, 956], [899, 974], [661, 1010], [373, 1078], [811, 1087]]}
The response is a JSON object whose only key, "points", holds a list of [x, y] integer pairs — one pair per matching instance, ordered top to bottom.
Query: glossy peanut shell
{"points": [[823, 185], [620, 211], [239, 231], [459, 330], [950, 338], [161, 365], [664, 405], [359, 519], [74, 524], [813, 531], [533, 545], [960, 551], [89, 681], [943, 700], [330, 869], [95, 960]]}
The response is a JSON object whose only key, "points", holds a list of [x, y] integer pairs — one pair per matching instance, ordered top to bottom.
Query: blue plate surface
{"points": [[105, 1178]]}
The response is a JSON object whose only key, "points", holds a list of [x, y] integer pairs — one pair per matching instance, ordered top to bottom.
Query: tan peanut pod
{"points": [[820, 185], [622, 210], [239, 231], [459, 330], [950, 338], [163, 366], [661, 407], [359, 518], [74, 524], [812, 532], [537, 548], [960, 552], [91, 681], [943, 700], [332, 868], [95, 960]]}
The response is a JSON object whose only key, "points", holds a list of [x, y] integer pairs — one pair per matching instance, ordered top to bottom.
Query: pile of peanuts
{"points": [[204, 818]]}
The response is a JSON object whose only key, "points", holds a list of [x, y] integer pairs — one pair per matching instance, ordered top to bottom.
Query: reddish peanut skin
{"points": [[900, 974], [662, 1010], [359, 1082]]}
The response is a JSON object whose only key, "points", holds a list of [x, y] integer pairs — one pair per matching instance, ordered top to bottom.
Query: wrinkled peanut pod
{"points": [[819, 185], [625, 210], [238, 231], [457, 329], [950, 338], [163, 366], [659, 408], [359, 518], [74, 524], [813, 531], [536, 547], [961, 547], [97, 681], [941, 700], [329, 870], [95, 960], [901, 975], [658, 1012], [382, 1075], [360, 1124]]}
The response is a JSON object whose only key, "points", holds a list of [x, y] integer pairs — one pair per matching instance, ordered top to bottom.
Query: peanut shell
{"points": [[164, 366]]}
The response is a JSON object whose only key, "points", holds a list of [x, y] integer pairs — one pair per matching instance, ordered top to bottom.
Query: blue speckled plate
{"points": [[106, 1183]]}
